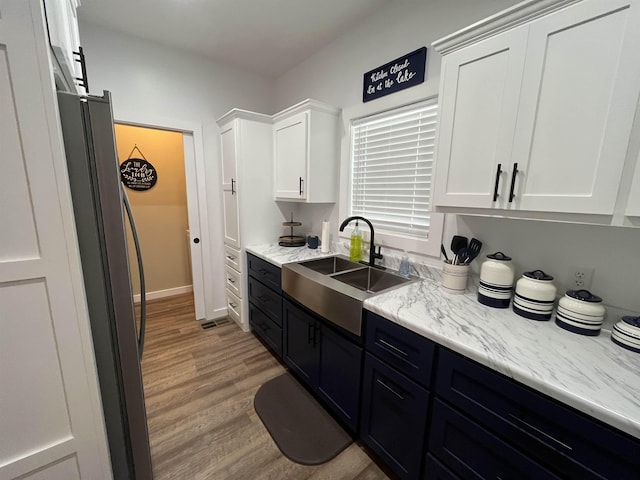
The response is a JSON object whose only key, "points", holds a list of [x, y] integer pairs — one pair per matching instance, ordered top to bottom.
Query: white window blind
{"points": [[392, 156]]}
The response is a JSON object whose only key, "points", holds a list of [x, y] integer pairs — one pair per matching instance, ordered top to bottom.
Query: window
{"points": [[392, 157]]}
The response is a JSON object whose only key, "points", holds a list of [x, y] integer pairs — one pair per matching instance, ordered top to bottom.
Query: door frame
{"points": [[195, 177]]}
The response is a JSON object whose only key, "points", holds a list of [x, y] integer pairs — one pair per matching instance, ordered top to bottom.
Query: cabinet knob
{"points": [[196, 240]]}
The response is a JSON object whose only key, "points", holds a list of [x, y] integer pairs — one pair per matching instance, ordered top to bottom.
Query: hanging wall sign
{"points": [[404, 72], [138, 173]]}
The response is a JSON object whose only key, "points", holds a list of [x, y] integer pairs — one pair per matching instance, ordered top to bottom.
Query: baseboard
{"points": [[169, 292], [217, 313]]}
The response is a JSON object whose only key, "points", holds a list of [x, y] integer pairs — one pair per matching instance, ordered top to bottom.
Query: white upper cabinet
{"points": [[64, 37], [550, 102], [479, 104], [306, 156], [229, 179], [633, 202]]}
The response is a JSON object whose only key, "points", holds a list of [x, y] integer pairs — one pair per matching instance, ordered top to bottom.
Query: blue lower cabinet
{"points": [[266, 329], [328, 362], [340, 366], [394, 417], [472, 452], [434, 470]]}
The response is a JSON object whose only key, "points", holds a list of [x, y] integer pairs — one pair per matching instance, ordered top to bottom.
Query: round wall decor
{"points": [[138, 174]]}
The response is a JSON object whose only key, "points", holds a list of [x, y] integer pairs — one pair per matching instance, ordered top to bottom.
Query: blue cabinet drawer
{"points": [[264, 271], [266, 299], [266, 329], [403, 349], [394, 417], [567, 441], [472, 452], [434, 470]]}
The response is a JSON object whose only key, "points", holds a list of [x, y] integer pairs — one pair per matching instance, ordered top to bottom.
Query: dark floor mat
{"points": [[300, 427]]}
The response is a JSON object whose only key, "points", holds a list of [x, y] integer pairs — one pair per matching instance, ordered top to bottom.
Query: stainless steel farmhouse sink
{"points": [[335, 288]]}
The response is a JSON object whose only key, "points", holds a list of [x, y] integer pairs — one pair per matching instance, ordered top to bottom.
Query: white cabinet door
{"points": [[62, 23], [579, 89], [479, 103], [291, 150], [229, 156], [230, 185], [633, 202], [231, 217], [51, 423]]}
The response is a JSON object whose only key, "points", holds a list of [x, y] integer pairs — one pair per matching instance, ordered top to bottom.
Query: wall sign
{"points": [[404, 72], [138, 173]]}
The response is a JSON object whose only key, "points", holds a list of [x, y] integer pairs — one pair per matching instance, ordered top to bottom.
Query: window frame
{"points": [[425, 246]]}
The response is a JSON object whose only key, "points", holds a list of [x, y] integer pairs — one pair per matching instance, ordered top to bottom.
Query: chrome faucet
{"points": [[372, 249]]}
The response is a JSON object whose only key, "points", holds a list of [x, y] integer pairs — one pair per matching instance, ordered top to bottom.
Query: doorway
{"points": [[167, 215]]}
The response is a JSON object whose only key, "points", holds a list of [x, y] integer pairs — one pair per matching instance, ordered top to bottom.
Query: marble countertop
{"points": [[591, 374]]}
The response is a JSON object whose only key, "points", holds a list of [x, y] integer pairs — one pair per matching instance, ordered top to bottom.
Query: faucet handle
{"points": [[377, 254]]}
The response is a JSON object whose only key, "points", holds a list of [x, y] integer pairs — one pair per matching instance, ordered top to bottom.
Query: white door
{"points": [[579, 93], [291, 146], [195, 240], [51, 424]]}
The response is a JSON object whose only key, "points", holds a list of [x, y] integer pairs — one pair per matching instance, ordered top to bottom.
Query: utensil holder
{"points": [[454, 278]]}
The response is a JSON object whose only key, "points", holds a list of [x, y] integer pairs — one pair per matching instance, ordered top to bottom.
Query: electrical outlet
{"points": [[580, 278]]}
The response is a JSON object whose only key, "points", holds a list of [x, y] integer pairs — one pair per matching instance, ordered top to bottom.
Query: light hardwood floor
{"points": [[199, 387]]}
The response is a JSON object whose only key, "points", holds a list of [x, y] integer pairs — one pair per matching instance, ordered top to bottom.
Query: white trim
{"points": [[520, 14], [162, 123], [396, 241], [169, 292], [217, 313]]}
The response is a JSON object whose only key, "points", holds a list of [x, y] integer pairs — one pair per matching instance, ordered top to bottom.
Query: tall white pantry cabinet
{"points": [[537, 108], [250, 214]]}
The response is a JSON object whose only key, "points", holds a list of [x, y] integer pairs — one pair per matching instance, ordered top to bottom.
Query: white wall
{"points": [[334, 75], [168, 87]]}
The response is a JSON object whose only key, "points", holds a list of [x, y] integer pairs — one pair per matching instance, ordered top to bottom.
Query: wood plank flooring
{"points": [[199, 388]]}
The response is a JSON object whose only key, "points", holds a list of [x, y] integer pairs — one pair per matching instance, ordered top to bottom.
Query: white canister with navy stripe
{"points": [[496, 280], [534, 296], [580, 311]]}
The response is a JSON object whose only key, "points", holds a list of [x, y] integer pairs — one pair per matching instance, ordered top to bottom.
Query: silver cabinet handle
{"points": [[230, 257], [231, 280], [232, 305], [393, 347], [390, 389], [536, 429]]}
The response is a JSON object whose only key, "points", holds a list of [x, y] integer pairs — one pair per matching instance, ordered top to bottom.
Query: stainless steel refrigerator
{"points": [[87, 125]]}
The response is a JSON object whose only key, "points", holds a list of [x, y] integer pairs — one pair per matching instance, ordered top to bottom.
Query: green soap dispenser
{"points": [[355, 247]]}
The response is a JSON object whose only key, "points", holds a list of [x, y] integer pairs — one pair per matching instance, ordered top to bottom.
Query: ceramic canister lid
{"points": [[499, 256], [538, 275], [584, 296], [633, 321]]}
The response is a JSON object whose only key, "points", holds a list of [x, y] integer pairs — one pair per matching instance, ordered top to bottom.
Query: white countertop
{"points": [[591, 374]]}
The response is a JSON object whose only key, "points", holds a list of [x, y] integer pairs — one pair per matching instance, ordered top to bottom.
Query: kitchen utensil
{"points": [[458, 242], [474, 248], [444, 251], [463, 257], [454, 278], [496, 281], [534, 296], [580, 311]]}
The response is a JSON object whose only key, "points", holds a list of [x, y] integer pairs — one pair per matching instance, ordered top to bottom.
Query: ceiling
{"points": [[268, 37]]}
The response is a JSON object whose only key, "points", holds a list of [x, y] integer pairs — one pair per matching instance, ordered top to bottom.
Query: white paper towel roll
{"points": [[326, 237]]}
